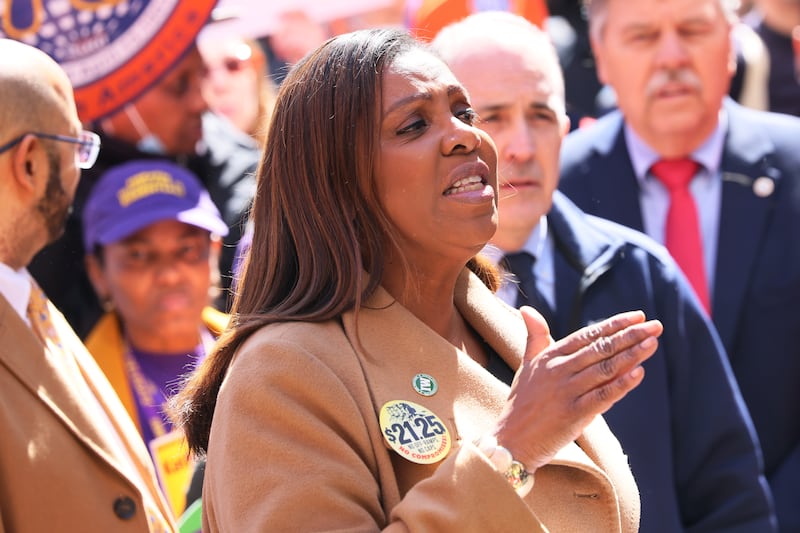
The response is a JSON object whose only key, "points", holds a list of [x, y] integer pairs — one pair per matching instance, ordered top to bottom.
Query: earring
{"points": [[107, 303]]}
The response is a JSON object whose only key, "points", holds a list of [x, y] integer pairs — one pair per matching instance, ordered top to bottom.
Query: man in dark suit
{"points": [[670, 63], [687, 434]]}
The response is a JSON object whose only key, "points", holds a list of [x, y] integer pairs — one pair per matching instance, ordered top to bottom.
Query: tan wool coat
{"points": [[296, 443], [59, 468]]}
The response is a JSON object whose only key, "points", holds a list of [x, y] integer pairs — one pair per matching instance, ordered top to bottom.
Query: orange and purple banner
{"points": [[112, 50]]}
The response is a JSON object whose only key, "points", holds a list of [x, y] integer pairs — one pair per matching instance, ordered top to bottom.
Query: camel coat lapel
{"points": [[394, 346], [45, 372]]}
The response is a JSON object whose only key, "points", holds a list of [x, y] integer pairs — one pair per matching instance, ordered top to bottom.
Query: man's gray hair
{"points": [[596, 11]]}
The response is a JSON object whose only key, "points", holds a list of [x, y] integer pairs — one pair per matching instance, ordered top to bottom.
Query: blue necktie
{"points": [[521, 265]]}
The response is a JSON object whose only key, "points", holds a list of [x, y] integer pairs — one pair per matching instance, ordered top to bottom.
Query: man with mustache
{"points": [[719, 184], [685, 430], [70, 459]]}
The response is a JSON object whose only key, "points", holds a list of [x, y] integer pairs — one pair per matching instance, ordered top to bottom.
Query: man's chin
{"points": [[521, 206]]}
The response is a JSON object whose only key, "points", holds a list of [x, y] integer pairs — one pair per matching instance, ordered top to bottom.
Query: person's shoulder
{"points": [[775, 125], [599, 136], [755, 136], [223, 140], [600, 229], [630, 237], [291, 331], [105, 335], [301, 339], [319, 349]]}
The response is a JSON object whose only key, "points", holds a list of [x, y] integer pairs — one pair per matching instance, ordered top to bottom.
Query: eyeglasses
{"points": [[236, 61], [233, 64], [230, 65], [88, 145]]}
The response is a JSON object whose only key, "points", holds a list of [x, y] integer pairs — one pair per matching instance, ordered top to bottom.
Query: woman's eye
{"points": [[468, 116], [413, 127], [193, 253], [136, 257]]}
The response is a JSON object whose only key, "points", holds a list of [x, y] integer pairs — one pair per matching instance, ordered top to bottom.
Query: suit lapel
{"points": [[615, 187], [744, 217], [45, 374]]}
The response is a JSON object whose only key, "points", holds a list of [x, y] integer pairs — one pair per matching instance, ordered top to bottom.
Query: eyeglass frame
{"points": [[92, 141]]}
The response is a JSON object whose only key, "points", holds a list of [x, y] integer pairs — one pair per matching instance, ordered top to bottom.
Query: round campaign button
{"points": [[414, 432]]}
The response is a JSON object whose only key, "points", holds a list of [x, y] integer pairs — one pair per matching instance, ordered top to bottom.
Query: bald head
{"points": [[500, 36], [36, 91], [38, 176]]}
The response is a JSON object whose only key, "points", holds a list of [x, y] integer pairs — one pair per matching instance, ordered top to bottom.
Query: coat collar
{"points": [[608, 157], [469, 399]]}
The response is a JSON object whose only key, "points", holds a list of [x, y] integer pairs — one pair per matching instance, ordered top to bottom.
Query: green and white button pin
{"points": [[425, 384]]}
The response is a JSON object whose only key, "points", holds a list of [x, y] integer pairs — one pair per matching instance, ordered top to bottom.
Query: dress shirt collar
{"points": [[708, 155], [535, 245], [15, 286]]}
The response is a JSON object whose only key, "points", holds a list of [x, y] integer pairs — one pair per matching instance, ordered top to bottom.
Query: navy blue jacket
{"points": [[756, 297], [687, 434]]}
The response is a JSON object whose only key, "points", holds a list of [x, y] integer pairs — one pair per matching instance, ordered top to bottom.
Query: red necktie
{"points": [[683, 238]]}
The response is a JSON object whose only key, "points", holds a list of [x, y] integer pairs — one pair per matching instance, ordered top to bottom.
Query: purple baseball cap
{"points": [[131, 196]]}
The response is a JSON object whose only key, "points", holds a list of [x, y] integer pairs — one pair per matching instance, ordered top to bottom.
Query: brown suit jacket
{"points": [[296, 443], [58, 470]]}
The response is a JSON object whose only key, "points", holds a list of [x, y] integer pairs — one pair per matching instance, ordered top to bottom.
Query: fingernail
{"points": [[648, 343]]}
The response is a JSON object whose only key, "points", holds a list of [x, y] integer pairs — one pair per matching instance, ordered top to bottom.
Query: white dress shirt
{"points": [[706, 189], [15, 286]]}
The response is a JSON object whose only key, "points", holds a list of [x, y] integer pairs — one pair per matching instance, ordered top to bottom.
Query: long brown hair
{"points": [[317, 222], [320, 234]]}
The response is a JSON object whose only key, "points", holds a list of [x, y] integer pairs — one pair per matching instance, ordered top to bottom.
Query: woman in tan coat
{"points": [[356, 388]]}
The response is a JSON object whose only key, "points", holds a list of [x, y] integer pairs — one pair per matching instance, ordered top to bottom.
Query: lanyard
{"points": [[148, 395]]}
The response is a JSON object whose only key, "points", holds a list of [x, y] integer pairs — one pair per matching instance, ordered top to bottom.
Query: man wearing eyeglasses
{"points": [[169, 121], [56, 203], [71, 459]]}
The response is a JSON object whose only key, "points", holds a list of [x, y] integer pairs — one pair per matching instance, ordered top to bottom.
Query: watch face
{"points": [[516, 474]]}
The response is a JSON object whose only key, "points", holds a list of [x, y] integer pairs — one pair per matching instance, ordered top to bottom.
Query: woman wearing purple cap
{"points": [[152, 234]]}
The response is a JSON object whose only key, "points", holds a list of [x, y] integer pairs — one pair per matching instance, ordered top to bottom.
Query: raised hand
{"points": [[561, 387]]}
